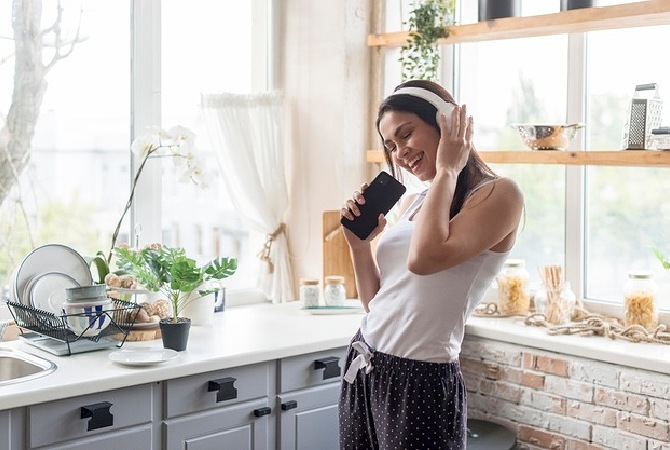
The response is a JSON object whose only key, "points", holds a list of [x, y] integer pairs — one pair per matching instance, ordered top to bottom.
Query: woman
{"points": [[403, 386]]}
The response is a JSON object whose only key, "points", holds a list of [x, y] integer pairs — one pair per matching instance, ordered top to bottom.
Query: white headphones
{"points": [[443, 107]]}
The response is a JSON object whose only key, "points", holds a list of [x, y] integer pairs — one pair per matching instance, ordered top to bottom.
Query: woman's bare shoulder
{"points": [[498, 189]]}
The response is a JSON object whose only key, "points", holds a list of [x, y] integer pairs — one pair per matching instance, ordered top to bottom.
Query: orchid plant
{"points": [[177, 144]]}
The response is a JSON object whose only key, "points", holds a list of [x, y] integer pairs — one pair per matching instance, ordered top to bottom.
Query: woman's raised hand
{"points": [[455, 140]]}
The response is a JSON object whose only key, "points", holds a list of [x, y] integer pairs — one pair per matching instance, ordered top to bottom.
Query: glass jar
{"points": [[309, 291], [334, 293], [513, 298], [640, 300]]}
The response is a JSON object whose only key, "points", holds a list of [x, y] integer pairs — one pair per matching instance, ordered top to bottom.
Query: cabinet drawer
{"points": [[312, 369], [216, 389], [89, 415], [137, 438]]}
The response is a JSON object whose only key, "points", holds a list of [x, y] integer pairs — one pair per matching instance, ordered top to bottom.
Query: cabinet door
{"points": [[308, 419], [12, 426], [239, 427]]}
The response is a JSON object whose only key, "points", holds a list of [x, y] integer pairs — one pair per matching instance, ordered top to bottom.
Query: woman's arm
{"points": [[488, 220], [365, 265]]}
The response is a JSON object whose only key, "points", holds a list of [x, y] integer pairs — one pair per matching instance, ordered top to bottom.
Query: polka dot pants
{"points": [[403, 404]]}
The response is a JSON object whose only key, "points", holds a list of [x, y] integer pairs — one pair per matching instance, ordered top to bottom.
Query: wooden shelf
{"points": [[639, 14], [591, 158]]}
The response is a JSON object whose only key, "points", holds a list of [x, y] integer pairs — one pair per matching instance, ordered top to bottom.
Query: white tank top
{"points": [[423, 317]]}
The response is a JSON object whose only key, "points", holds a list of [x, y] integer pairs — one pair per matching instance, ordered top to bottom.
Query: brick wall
{"points": [[557, 401]]}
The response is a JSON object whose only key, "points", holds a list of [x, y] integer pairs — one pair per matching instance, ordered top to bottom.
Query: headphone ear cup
{"points": [[445, 109]]}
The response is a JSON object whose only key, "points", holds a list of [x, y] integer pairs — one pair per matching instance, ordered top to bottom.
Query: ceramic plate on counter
{"points": [[47, 259], [343, 309], [142, 356]]}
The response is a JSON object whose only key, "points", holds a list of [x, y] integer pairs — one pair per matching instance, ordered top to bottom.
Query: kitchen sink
{"points": [[17, 366]]}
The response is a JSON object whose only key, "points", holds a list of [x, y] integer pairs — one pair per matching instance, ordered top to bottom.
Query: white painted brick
{"points": [[496, 351], [594, 372], [645, 382], [568, 388], [542, 401], [659, 409], [534, 417], [569, 427], [611, 438], [657, 445]]}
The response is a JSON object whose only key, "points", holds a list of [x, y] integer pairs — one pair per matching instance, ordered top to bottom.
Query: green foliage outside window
{"points": [[420, 57]]}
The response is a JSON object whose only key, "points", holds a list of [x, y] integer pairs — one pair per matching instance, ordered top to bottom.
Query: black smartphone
{"points": [[380, 196]]}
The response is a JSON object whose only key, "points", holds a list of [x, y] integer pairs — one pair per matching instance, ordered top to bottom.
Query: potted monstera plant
{"points": [[169, 271]]}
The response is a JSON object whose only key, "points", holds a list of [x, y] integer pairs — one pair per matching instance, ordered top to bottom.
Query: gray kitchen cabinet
{"points": [[306, 407], [221, 409], [112, 419], [310, 421], [12, 424], [243, 426]]}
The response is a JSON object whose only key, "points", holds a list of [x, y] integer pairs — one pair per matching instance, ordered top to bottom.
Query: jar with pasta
{"points": [[513, 296], [640, 300]]}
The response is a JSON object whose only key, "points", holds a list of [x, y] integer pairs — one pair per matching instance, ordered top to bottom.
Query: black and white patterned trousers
{"points": [[401, 404]]}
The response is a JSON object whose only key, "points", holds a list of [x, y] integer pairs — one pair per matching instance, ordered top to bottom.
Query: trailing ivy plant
{"points": [[420, 57]]}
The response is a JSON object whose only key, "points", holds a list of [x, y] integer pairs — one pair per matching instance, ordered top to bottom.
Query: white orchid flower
{"points": [[181, 136], [144, 144]]}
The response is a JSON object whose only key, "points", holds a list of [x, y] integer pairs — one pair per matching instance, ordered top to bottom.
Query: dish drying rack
{"points": [[49, 332]]}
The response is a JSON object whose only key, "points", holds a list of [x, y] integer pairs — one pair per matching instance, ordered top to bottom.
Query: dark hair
{"points": [[475, 170]]}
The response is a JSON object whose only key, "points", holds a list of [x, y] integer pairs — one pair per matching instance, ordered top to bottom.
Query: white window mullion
{"points": [[146, 112], [575, 176]]}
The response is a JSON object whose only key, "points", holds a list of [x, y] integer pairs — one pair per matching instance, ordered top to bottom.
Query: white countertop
{"points": [[255, 333], [239, 336], [641, 355]]}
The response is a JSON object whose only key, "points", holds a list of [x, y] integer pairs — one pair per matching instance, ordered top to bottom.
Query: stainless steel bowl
{"points": [[547, 137]]}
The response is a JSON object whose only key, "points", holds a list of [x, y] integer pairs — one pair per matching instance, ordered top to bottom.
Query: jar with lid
{"points": [[309, 291], [334, 293], [513, 297], [640, 300]]}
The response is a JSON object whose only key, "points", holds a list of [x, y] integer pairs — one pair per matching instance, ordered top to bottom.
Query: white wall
{"points": [[324, 73]]}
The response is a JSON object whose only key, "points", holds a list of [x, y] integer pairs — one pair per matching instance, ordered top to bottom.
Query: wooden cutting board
{"points": [[336, 257], [147, 334]]}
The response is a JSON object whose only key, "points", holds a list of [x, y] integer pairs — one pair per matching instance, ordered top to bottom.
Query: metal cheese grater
{"points": [[643, 116]]}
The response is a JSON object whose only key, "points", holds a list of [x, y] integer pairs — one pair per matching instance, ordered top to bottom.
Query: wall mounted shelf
{"points": [[629, 15], [590, 158]]}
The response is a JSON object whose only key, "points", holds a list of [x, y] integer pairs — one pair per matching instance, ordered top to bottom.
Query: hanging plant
{"points": [[420, 57]]}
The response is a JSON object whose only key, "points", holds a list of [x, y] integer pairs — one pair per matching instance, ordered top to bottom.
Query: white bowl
{"points": [[85, 293], [87, 318]]}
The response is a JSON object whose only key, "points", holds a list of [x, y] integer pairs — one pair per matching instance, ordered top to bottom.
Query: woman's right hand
{"points": [[350, 211]]}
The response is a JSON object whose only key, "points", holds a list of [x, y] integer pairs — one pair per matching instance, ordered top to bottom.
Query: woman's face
{"points": [[411, 142]]}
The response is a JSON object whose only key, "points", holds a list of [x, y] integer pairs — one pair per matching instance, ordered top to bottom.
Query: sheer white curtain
{"points": [[248, 135]]}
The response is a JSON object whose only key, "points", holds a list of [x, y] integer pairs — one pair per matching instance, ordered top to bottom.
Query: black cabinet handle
{"points": [[331, 366], [224, 388], [291, 404], [264, 411], [98, 415]]}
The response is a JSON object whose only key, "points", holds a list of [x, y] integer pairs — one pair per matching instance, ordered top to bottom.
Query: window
{"points": [[78, 168], [73, 174], [626, 207], [622, 209]]}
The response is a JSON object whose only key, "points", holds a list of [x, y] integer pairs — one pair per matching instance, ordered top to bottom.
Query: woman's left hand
{"points": [[455, 140]]}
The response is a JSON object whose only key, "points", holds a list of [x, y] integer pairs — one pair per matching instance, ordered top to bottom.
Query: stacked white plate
{"points": [[41, 279]]}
